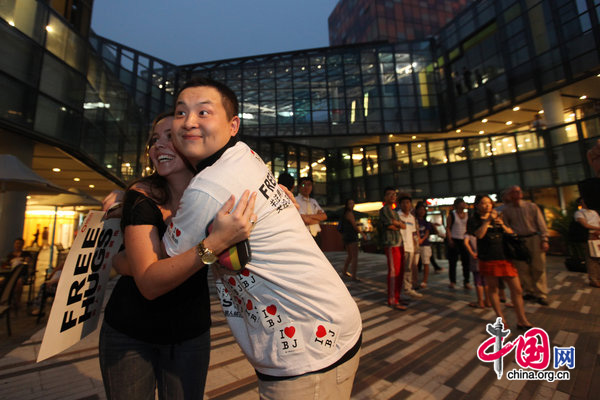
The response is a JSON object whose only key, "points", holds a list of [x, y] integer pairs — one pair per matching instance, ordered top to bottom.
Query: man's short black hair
{"points": [[228, 97], [304, 179], [286, 180], [387, 189], [405, 197], [458, 200]]}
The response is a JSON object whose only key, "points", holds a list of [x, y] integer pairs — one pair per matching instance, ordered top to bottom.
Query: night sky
{"points": [[192, 31]]}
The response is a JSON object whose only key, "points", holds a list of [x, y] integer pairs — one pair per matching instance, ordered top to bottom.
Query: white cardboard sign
{"points": [[80, 292]]}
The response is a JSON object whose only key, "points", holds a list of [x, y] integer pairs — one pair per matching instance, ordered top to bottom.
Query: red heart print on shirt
{"points": [[177, 232], [245, 272], [232, 281], [249, 305], [272, 309], [289, 331], [321, 331]]}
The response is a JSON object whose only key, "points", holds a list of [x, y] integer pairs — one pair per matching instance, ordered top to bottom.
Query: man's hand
{"points": [[112, 204], [232, 226], [545, 246]]}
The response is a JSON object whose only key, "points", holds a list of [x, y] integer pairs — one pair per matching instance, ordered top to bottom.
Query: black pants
{"points": [[454, 252]]}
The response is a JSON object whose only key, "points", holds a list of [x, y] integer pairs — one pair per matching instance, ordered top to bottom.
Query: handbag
{"points": [[594, 246], [515, 248]]}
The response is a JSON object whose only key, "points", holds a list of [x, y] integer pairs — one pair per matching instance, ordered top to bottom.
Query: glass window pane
{"points": [[564, 134], [529, 141], [503, 145], [479, 147], [457, 150], [437, 152], [418, 155], [402, 159], [357, 161]]}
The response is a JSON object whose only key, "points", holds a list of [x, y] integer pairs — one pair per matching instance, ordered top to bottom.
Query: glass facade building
{"points": [[360, 21], [356, 117]]}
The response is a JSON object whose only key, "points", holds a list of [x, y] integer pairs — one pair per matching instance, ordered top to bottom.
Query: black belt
{"points": [[528, 235]]}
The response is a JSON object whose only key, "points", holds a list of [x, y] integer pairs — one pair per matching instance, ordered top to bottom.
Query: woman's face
{"points": [[161, 151], [484, 206], [421, 212]]}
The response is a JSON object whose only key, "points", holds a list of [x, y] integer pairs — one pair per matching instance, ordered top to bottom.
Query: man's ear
{"points": [[234, 125]]}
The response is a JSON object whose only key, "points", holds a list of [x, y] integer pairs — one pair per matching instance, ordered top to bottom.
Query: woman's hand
{"points": [[230, 227]]}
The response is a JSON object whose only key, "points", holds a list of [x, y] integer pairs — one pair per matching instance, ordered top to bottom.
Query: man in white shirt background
{"points": [[312, 214], [590, 220], [408, 238]]}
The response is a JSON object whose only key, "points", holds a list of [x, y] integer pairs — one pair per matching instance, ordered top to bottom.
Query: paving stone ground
{"points": [[426, 352]]}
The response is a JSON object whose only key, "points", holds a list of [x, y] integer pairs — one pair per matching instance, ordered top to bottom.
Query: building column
{"points": [[553, 109], [12, 214]]}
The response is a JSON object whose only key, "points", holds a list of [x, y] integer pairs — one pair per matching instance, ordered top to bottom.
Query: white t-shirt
{"points": [[309, 206], [589, 216], [459, 226], [409, 232], [288, 309]]}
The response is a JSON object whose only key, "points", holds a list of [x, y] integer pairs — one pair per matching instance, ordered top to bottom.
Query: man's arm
{"points": [[541, 224], [155, 276]]}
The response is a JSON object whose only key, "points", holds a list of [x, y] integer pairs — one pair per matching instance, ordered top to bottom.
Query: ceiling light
{"points": [[12, 23], [49, 28], [583, 97], [517, 108], [541, 112], [484, 120], [508, 122], [458, 131], [481, 132], [414, 137], [419, 146], [56, 169], [76, 179], [92, 186], [28, 197]]}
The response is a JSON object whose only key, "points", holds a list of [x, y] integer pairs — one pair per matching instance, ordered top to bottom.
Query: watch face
{"points": [[209, 258]]}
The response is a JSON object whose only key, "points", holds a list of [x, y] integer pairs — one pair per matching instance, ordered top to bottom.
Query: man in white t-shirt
{"points": [[312, 214], [591, 220], [408, 239], [288, 309]]}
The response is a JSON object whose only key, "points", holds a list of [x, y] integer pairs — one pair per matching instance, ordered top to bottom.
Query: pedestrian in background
{"points": [[312, 214], [526, 219], [591, 220], [390, 226], [426, 228], [489, 228], [350, 230], [408, 234], [455, 236]]}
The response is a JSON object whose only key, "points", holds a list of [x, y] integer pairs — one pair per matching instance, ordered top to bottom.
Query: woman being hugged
{"points": [[487, 226], [155, 334]]}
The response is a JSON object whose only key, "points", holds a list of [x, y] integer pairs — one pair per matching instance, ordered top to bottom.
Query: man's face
{"points": [[201, 125], [305, 188], [516, 194], [390, 197], [405, 205], [18, 245]]}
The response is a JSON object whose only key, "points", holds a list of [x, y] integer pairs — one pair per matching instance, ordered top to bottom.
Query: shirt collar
{"points": [[207, 162]]}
